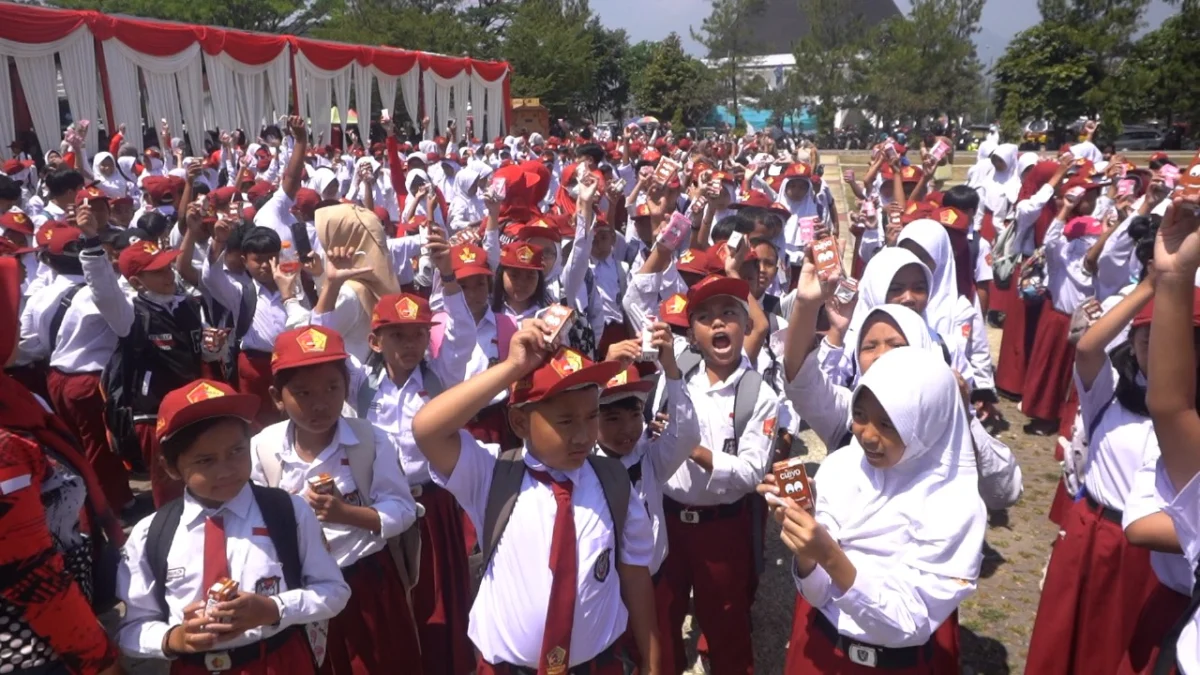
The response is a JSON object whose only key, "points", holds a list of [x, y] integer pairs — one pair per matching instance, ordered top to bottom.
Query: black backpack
{"points": [[277, 513]]}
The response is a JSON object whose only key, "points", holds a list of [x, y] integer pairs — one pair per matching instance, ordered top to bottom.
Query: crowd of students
{"points": [[519, 407]]}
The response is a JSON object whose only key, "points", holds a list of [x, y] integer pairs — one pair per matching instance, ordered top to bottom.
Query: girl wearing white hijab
{"points": [[978, 174], [107, 178], [998, 193], [797, 196], [417, 203], [466, 207], [894, 545]]}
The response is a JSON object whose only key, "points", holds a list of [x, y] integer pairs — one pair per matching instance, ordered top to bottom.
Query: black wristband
{"points": [[447, 278]]}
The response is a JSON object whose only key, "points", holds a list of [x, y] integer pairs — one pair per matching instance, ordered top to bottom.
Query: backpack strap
{"points": [[60, 313], [689, 363], [433, 383], [368, 389], [743, 403], [1091, 431], [362, 457], [269, 462], [614, 481], [502, 498], [280, 519], [158, 545]]}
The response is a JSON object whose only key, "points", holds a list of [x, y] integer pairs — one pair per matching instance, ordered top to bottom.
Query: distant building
{"points": [[783, 23]]}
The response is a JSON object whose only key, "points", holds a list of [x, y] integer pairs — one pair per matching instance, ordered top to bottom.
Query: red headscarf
{"points": [[1037, 176], [528, 183], [21, 414]]}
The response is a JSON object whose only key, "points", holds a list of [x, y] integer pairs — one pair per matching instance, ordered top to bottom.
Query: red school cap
{"points": [[14, 166], [90, 193], [16, 220], [55, 236], [9, 248], [521, 255], [144, 256], [469, 260], [694, 260], [713, 286], [401, 309], [674, 311], [307, 346], [567, 370], [626, 383], [198, 401]]}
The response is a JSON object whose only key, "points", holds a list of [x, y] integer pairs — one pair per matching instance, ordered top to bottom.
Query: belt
{"points": [[424, 489], [1110, 514], [694, 515], [872, 656], [228, 659], [601, 660]]}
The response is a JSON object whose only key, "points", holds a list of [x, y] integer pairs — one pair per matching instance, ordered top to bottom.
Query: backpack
{"points": [[1006, 255], [1032, 285], [60, 313], [370, 386], [116, 388], [1075, 459], [505, 489], [277, 513], [405, 548]]}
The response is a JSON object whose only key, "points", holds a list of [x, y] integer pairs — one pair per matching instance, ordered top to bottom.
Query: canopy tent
{"points": [[112, 66]]}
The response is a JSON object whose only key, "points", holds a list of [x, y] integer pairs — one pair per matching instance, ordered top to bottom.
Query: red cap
{"points": [[685, 144], [901, 150], [650, 157], [1156, 157], [213, 160], [13, 166], [798, 170], [911, 174], [1082, 181], [159, 189], [259, 190], [92, 194], [222, 197], [759, 200], [306, 202], [952, 218], [16, 220], [1082, 226], [539, 228], [56, 235], [8, 248], [521, 255], [144, 256], [469, 260], [694, 260], [713, 286], [401, 309], [674, 311], [1143, 317], [307, 346], [565, 371], [625, 384], [198, 401]]}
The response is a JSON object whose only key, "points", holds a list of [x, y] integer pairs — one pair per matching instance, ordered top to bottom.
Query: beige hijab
{"points": [[352, 225]]}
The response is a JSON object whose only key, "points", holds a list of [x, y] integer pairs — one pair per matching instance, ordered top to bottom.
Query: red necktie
{"points": [[216, 566], [555, 657]]}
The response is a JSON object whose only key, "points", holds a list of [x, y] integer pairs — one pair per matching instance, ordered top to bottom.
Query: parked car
{"points": [[1139, 139]]}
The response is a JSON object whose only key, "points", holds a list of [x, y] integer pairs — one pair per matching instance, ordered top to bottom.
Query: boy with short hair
{"points": [[709, 498], [224, 529], [530, 615]]}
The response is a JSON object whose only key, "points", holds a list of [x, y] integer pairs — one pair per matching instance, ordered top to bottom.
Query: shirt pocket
{"points": [[597, 572], [264, 578]]}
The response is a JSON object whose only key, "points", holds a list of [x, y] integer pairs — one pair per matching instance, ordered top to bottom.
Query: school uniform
{"points": [[610, 279], [271, 316], [1020, 318], [493, 333], [161, 342], [83, 346], [1047, 384], [702, 507], [1186, 518], [234, 537], [1096, 581], [905, 590], [441, 596], [512, 611], [376, 631]]}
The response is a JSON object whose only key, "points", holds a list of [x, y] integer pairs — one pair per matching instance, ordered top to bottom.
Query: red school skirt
{"points": [[1021, 320], [1048, 376], [254, 377], [77, 399], [162, 487], [1096, 586], [441, 598], [1159, 614], [375, 633], [812, 650], [292, 657]]}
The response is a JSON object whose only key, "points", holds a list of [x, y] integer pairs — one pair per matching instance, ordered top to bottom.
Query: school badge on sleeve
{"points": [[603, 565]]}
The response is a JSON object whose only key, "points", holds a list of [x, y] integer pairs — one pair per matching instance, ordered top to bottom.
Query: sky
{"points": [[654, 19]]}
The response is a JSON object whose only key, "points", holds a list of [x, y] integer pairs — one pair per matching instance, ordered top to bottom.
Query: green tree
{"points": [[294, 17], [408, 24], [726, 34], [550, 50], [1156, 66], [1046, 72], [825, 75], [673, 81], [610, 83]]}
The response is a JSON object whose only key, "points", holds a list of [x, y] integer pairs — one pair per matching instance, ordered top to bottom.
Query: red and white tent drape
{"points": [[111, 66]]}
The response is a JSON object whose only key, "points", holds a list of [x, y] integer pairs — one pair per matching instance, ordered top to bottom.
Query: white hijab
{"points": [[978, 174], [114, 186], [1002, 188], [465, 200], [804, 208], [421, 209], [873, 287], [943, 293], [911, 325], [925, 512]]}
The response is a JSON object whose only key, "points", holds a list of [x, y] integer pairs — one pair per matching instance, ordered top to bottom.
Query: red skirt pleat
{"points": [[1020, 327], [1048, 375], [1061, 504], [1096, 586], [441, 598], [1160, 612], [375, 633], [810, 652]]}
